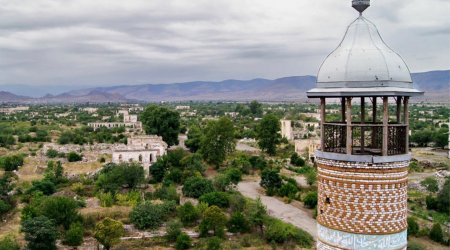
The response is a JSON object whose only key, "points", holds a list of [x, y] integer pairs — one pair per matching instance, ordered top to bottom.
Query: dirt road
{"points": [[279, 209]]}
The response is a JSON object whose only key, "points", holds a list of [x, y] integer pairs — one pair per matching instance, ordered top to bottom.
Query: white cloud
{"points": [[106, 42]]}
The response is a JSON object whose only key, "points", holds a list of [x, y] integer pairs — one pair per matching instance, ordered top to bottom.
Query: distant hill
{"points": [[435, 83], [12, 98]]}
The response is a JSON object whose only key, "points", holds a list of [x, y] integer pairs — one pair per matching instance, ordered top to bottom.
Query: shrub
{"points": [[51, 153], [73, 157], [297, 160], [12, 162], [234, 174], [114, 176], [311, 177], [270, 180], [431, 184], [45, 186], [197, 186], [288, 190], [168, 193], [443, 198], [106, 199], [131, 199], [219, 199], [310, 200], [432, 203], [4, 207], [62, 210], [188, 214], [150, 216], [213, 219], [238, 223], [413, 227], [173, 230], [108, 232], [280, 232], [40, 233], [436, 233], [74, 236], [183, 242], [9, 243], [214, 243], [414, 245]]}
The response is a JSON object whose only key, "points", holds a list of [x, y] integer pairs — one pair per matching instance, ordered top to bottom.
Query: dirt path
{"points": [[279, 209]]}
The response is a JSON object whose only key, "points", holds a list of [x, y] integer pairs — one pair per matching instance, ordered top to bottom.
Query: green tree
{"points": [[256, 108], [163, 122], [267, 133], [194, 139], [218, 141], [73, 157], [296, 160], [159, 169], [114, 176], [311, 177], [270, 180], [431, 184], [197, 186], [288, 190], [443, 197], [220, 199], [310, 199], [62, 210], [188, 214], [257, 214], [147, 215], [213, 219], [238, 223], [413, 227], [173, 230], [108, 232], [280, 232], [40, 233], [436, 233], [74, 235], [183, 241], [9, 243], [214, 243]]}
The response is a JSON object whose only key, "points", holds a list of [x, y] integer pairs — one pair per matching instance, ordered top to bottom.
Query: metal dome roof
{"points": [[363, 65]]}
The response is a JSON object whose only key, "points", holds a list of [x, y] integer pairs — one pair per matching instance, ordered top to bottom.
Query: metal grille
{"points": [[335, 137], [397, 140]]}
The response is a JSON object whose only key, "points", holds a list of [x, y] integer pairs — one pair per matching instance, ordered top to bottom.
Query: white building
{"points": [[286, 129]]}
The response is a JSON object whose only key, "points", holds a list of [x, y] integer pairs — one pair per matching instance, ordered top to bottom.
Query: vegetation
{"points": [[163, 122], [268, 133], [218, 141], [108, 232]]}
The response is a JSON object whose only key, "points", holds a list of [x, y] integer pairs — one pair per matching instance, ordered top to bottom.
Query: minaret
{"points": [[363, 158]]}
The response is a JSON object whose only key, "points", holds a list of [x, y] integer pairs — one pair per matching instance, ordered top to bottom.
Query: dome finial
{"points": [[361, 5]]}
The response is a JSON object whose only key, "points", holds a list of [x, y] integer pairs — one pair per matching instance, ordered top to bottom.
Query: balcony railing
{"points": [[366, 139]]}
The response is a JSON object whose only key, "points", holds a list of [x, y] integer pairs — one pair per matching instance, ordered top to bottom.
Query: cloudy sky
{"points": [[107, 42]]}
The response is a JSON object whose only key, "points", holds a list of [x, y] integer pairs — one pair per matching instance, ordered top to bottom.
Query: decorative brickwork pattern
{"points": [[362, 198]]}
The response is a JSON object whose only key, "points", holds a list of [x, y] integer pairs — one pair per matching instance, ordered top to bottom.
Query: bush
{"points": [[51, 153], [74, 157], [297, 160], [12, 162], [234, 174], [114, 176], [311, 177], [270, 180], [431, 184], [45, 186], [197, 186], [288, 190], [168, 193], [443, 198], [106, 199], [130, 199], [219, 199], [310, 200], [432, 203], [4, 207], [61, 210], [188, 214], [151, 216], [213, 219], [238, 223], [413, 227], [173, 230], [108, 232], [280, 232], [40, 233], [436, 233], [74, 236], [183, 242], [9, 243], [214, 243], [414, 245]]}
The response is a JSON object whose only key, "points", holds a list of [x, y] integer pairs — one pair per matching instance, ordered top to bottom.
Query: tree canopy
{"points": [[163, 122], [268, 134], [218, 141]]}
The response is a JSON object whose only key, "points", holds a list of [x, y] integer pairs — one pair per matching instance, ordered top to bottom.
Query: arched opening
{"points": [[120, 157], [151, 157], [140, 158]]}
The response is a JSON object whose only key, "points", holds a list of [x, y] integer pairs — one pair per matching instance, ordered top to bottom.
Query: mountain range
{"points": [[434, 83]]}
